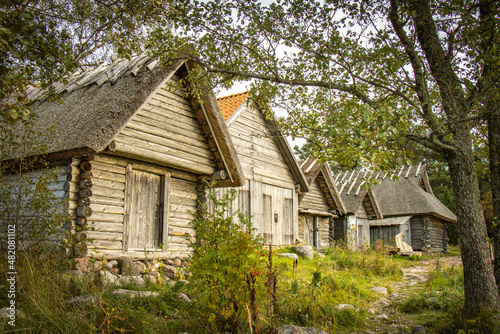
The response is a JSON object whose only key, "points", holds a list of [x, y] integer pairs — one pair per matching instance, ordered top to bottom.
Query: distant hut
{"points": [[131, 147], [273, 178], [405, 204], [361, 205], [319, 206]]}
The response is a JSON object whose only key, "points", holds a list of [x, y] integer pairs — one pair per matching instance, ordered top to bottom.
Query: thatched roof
{"points": [[96, 105], [231, 107], [312, 170], [403, 192]]}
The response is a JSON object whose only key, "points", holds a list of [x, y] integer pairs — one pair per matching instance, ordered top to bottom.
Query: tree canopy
{"points": [[41, 41], [363, 82]]}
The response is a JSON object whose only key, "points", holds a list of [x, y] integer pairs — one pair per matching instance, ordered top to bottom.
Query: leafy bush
{"points": [[227, 259]]}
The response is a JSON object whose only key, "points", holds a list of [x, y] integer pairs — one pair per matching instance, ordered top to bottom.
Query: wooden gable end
{"points": [[165, 130], [259, 154], [315, 199]]}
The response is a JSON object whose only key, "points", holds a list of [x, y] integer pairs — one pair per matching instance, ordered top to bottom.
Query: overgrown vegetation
{"points": [[307, 294]]}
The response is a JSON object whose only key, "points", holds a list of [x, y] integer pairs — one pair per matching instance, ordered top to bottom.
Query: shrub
{"points": [[227, 258]]}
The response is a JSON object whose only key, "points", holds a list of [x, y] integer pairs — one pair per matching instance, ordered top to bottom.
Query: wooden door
{"points": [[145, 211], [267, 219], [288, 222], [310, 230]]}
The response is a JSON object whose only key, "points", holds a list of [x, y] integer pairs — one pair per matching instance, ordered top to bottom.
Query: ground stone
{"points": [[304, 251], [289, 255], [141, 266], [128, 267], [170, 271], [107, 277], [132, 279], [380, 289], [135, 294], [184, 297], [84, 300], [344, 306], [5, 313], [381, 317], [289, 329], [418, 330]]}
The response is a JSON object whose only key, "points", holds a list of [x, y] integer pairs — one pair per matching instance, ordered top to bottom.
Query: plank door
{"points": [[145, 211], [267, 219], [288, 222], [311, 230]]}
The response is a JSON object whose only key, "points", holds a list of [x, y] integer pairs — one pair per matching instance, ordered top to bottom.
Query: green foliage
{"points": [[226, 255]]}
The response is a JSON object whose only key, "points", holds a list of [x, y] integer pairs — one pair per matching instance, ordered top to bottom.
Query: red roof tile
{"points": [[229, 104]]}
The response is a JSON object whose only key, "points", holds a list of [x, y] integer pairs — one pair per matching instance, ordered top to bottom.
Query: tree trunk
{"points": [[494, 147], [479, 280]]}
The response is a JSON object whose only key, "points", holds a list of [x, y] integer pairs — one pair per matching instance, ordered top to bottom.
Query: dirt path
{"points": [[385, 318]]}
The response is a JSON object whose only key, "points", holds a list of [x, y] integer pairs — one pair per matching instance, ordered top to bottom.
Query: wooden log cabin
{"points": [[131, 147], [273, 178], [406, 204], [320, 206]]}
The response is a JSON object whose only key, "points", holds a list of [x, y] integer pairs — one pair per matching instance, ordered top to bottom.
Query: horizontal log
{"points": [[162, 159], [86, 166], [86, 175], [85, 183], [108, 184], [106, 192], [85, 193], [106, 200], [84, 201], [107, 209], [84, 211], [106, 217], [81, 221], [105, 227], [180, 231], [99, 236], [106, 245]]}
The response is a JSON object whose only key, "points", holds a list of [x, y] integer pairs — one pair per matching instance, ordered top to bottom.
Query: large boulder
{"points": [[304, 251], [128, 267]]}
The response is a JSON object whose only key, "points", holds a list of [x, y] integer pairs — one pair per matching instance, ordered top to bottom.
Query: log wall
{"points": [[165, 131], [315, 199], [108, 208]]}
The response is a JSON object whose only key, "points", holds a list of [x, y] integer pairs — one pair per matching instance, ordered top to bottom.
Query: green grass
{"points": [[307, 295]]}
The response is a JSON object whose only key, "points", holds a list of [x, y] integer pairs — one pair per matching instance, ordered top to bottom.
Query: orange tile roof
{"points": [[229, 104]]}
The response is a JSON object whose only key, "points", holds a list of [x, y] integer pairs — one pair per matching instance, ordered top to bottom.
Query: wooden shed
{"points": [[131, 147], [273, 178], [405, 204], [319, 206], [361, 206]]}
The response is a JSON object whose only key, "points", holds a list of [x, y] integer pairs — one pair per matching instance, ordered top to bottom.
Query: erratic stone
{"points": [[304, 251], [289, 255], [177, 262], [141, 266], [128, 267], [170, 271], [107, 277], [132, 279], [380, 289], [135, 294], [184, 297], [84, 301], [344, 306], [8, 313], [381, 317], [289, 329], [418, 330]]}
